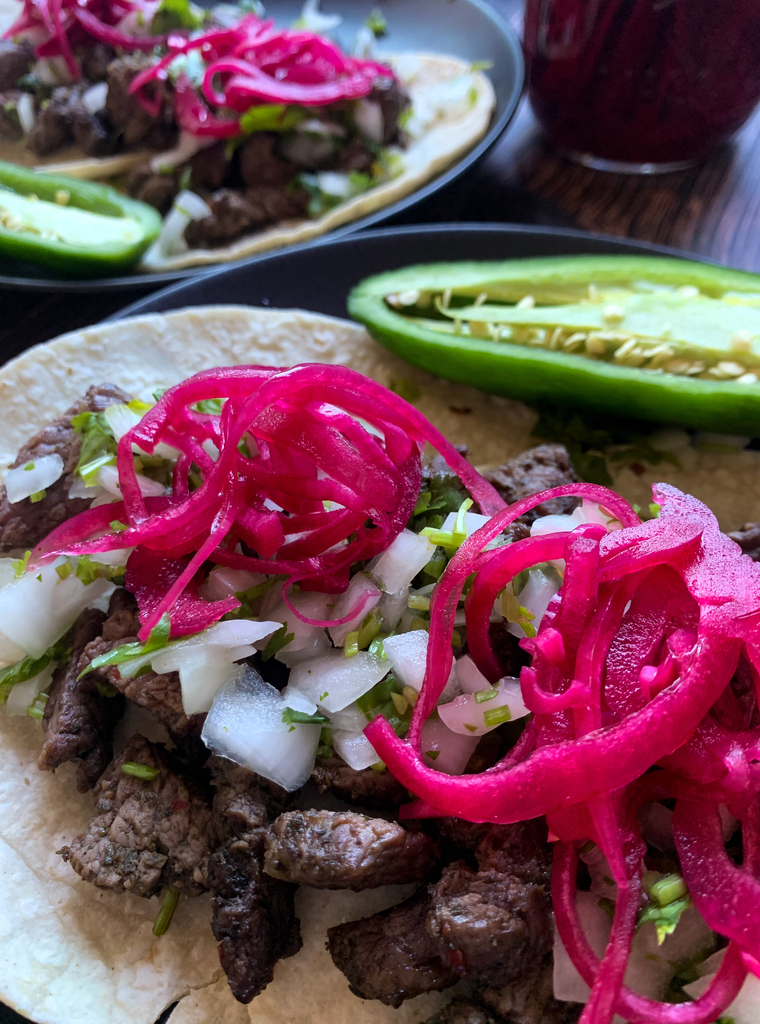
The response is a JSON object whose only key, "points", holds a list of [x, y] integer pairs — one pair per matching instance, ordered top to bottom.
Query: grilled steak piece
{"points": [[16, 60], [94, 61], [393, 101], [126, 114], [54, 124], [10, 126], [93, 133], [355, 156], [259, 164], [209, 167], [152, 187], [234, 213], [537, 469], [23, 524], [748, 539], [78, 721], [366, 788], [146, 835], [344, 850], [254, 915], [492, 926], [391, 956], [529, 999], [463, 1011]]}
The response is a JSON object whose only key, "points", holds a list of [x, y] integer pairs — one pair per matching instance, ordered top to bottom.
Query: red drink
{"points": [[642, 82]]}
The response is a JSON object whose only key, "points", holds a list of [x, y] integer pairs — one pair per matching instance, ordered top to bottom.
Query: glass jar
{"points": [[642, 85]]}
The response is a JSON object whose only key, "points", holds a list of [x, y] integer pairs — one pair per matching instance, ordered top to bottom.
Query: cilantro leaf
{"points": [[279, 639]]}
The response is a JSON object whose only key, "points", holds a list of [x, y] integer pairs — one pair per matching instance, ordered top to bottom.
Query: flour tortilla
{"points": [[443, 142], [70, 952]]}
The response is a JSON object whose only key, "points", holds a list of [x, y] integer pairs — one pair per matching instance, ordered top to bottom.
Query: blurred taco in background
{"points": [[244, 135]]}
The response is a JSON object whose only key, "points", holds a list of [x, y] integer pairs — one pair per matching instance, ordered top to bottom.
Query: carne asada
{"points": [[253, 517]]}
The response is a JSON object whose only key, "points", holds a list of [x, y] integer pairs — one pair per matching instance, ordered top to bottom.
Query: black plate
{"points": [[469, 29], [319, 276]]}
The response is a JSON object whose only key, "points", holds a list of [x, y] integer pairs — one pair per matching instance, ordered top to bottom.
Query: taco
{"points": [[244, 136], [165, 666]]}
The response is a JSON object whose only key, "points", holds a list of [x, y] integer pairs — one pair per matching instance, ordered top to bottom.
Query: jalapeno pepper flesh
{"points": [[79, 228], [653, 338]]}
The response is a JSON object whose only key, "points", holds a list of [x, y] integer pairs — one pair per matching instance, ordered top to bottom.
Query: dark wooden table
{"points": [[712, 210]]}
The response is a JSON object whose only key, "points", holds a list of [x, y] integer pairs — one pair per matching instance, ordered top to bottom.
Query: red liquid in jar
{"points": [[642, 81]]}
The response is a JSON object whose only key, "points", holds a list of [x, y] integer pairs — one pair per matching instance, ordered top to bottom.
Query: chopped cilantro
{"points": [[175, 14], [377, 23], [481, 65], [271, 117], [210, 406], [98, 444], [28, 467], [37, 496], [117, 526], [20, 565], [158, 638], [279, 639], [28, 668], [106, 690], [481, 696], [37, 708], [497, 716], [291, 717], [432, 754], [140, 771], [166, 913], [665, 918]]}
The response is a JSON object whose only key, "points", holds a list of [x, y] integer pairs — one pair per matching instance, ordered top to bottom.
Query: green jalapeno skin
{"points": [[91, 258], [545, 377]]}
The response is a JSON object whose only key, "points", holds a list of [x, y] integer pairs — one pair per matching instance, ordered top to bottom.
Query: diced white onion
{"points": [[313, 20], [364, 44], [52, 71], [94, 99], [25, 111], [369, 120], [187, 146], [335, 183], [187, 207], [121, 419], [40, 474], [108, 478], [79, 489], [588, 512], [472, 522], [119, 556], [401, 561], [7, 571], [224, 582], [360, 587], [535, 596], [311, 604], [391, 607], [35, 612], [316, 648], [10, 653], [407, 656], [203, 671], [469, 675], [334, 681], [24, 694], [297, 701], [466, 716], [245, 724], [355, 749], [452, 751], [650, 965], [745, 1009]]}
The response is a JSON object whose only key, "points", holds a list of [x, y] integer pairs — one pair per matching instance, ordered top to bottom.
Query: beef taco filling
{"points": [[223, 122], [289, 636]]}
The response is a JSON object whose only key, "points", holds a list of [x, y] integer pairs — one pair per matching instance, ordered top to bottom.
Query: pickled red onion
{"points": [[288, 441], [632, 667]]}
